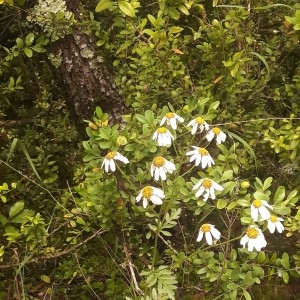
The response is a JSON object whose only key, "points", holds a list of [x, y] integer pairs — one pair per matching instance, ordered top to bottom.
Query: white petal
{"points": [[180, 119], [163, 121], [173, 123], [191, 123], [206, 126], [194, 129], [171, 135], [210, 136], [222, 136], [154, 137], [160, 140], [121, 158], [198, 159], [204, 162], [103, 163], [112, 165], [106, 167], [152, 170], [162, 173], [156, 174], [198, 184], [217, 187], [158, 192], [200, 192], [212, 193], [206, 195], [139, 197], [156, 200], [145, 202], [265, 203], [254, 212], [265, 214], [271, 226], [280, 227], [215, 233], [200, 236], [208, 238], [244, 240], [252, 244]]}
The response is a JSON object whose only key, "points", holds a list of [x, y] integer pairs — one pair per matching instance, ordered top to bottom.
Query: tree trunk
{"points": [[88, 81]]}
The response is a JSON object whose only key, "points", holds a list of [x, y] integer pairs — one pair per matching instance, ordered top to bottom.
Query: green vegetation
{"points": [[144, 143]]}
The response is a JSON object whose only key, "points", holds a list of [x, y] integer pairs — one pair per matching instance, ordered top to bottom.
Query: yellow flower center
{"points": [[170, 115], [200, 120], [162, 130], [216, 130], [203, 151], [111, 155], [158, 161], [207, 183], [147, 192], [257, 203], [273, 219], [205, 228], [252, 233]]}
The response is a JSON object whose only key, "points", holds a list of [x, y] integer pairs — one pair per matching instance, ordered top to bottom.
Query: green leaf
{"points": [[103, 4], [126, 8], [175, 29], [29, 39], [20, 43], [28, 52], [263, 61], [12, 148], [248, 148], [29, 160], [279, 195], [221, 203], [16, 208], [261, 257], [285, 261], [285, 277], [46, 278], [246, 295]]}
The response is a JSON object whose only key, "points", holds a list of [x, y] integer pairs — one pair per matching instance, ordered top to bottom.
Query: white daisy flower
{"points": [[171, 119], [198, 122], [216, 132], [163, 136], [201, 155], [109, 161], [160, 166], [208, 186], [151, 193], [260, 207], [275, 223], [210, 232], [254, 238]]}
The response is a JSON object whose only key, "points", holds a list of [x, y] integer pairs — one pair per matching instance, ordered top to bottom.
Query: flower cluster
{"points": [[205, 187], [254, 237]]}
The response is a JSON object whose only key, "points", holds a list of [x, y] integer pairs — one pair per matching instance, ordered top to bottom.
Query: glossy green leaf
{"points": [[103, 4], [126, 8], [29, 39], [28, 52], [16, 208]]}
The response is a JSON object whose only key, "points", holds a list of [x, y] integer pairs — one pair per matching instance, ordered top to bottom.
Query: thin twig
{"points": [[131, 265]]}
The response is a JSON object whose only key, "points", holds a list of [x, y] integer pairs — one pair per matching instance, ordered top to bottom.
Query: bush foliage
{"points": [[72, 228]]}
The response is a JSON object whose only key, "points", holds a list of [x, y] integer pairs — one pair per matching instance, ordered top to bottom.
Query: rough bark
{"points": [[88, 81]]}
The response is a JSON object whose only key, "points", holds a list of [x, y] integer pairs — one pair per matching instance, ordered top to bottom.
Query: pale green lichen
{"points": [[53, 17], [55, 60]]}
